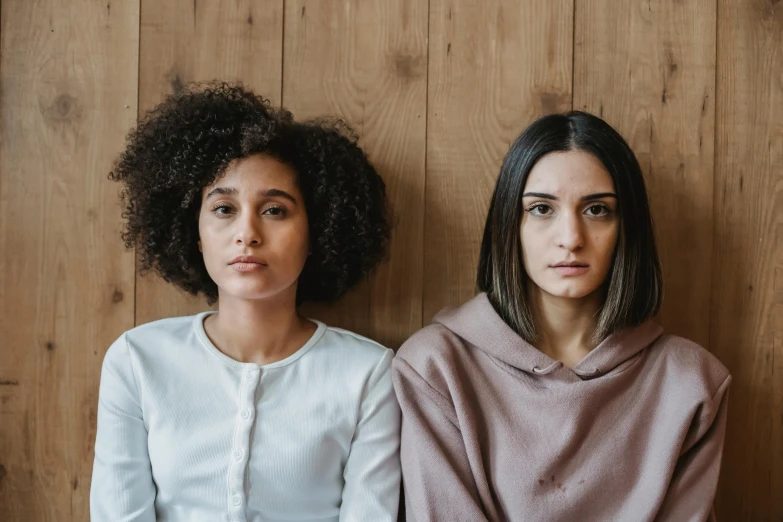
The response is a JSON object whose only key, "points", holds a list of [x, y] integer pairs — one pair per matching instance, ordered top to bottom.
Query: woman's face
{"points": [[569, 225], [253, 229]]}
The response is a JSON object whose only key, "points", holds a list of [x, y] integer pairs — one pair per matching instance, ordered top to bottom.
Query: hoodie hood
{"points": [[478, 323]]}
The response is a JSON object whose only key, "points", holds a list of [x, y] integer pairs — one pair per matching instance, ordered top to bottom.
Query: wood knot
{"points": [[670, 63], [408, 66], [175, 81], [552, 102], [64, 109]]}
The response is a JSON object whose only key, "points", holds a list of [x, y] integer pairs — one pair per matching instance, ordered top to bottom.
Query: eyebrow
{"points": [[224, 191], [270, 193], [543, 195]]}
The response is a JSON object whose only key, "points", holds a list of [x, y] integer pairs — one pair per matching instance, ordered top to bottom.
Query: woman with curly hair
{"points": [[251, 412]]}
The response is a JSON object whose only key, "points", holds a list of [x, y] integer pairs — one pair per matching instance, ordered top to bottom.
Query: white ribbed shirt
{"points": [[185, 433]]}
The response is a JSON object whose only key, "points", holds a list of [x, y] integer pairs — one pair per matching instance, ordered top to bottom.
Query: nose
{"points": [[247, 231], [571, 234]]}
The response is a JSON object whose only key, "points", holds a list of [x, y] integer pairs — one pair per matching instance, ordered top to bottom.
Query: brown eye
{"points": [[222, 210], [540, 210], [597, 210], [274, 211]]}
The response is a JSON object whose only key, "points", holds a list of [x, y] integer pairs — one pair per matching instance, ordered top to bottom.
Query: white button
{"points": [[246, 413], [238, 454], [236, 500]]}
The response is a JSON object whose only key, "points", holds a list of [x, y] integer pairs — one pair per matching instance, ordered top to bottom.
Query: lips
{"points": [[247, 260], [247, 264], [570, 264], [571, 268]]}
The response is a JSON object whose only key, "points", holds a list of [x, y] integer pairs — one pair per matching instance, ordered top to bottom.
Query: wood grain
{"points": [[184, 41], [366, 61], [495, 66], [648, 68], [437, 90], [69, 94], [747, 289]]}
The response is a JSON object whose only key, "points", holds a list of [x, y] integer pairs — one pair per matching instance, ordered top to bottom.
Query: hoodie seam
{"points": [[637, 356], [506, 367], [720, 387], [711, 411], [451, 416]]}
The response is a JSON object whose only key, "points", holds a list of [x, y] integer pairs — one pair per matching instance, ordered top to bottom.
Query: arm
{"points": [[372, 470], [437, 477], [692, 488], [122, 489]]}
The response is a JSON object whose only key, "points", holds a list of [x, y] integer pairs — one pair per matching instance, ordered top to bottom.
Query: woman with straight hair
{"points": [[553, 395]]}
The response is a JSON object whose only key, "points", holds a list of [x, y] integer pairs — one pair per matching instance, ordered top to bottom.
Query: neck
{"points": [[566, 325], [260, 331]]}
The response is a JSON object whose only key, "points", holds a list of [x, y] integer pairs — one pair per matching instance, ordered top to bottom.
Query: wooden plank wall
{"points": [[68, 80], [436, 89], [746, 330]]}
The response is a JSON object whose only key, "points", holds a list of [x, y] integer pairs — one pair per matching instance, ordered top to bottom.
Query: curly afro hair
{"points": [[188, 141]]}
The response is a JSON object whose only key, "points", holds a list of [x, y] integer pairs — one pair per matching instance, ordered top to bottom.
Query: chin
{"points": [[259, 289], [248, 291], [570, 291], [569, 294]]}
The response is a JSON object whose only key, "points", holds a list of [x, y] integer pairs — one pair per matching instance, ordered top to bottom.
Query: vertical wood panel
{"points": [[184, 41], [366, 61], [495, 66], [648, 68], [455, 85], [69, 90], [747, 304]]}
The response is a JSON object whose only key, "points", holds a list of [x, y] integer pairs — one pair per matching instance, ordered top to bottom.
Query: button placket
{"points": [[241, 444]]}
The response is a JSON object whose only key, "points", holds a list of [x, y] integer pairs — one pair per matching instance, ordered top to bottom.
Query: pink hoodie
{"points": [[493, 429]]}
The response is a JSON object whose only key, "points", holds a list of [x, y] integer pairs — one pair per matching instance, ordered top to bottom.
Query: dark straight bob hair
{"points": [[634, 287]]}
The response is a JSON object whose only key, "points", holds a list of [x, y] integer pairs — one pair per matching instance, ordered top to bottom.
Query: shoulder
{"points": [[162, 330], [150, 341], [349, 349], [431, 352], [692, 366], [429, 367]]}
